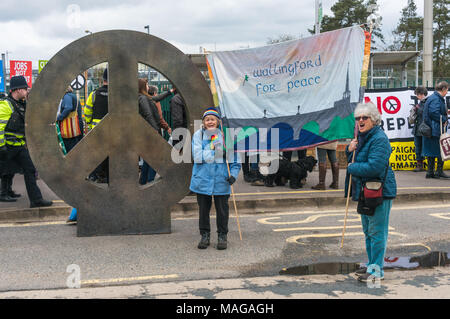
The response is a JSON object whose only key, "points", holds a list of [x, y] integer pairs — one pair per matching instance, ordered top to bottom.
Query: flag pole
{"points": [[364, 74], [232, 189]]}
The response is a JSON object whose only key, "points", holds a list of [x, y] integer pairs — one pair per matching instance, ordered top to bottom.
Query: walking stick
{"points": [[232, 189], [348, 192], [346, 205]]}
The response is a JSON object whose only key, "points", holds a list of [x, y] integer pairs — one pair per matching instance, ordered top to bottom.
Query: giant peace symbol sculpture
{"points": [[121, 207]]}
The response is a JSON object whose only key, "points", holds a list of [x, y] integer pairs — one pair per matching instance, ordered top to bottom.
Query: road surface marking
{"points": [[331, 190], [441, 215], [307, 220], [31, 224], [320, 228], [294, 239], [412, 244], [120, 280]]}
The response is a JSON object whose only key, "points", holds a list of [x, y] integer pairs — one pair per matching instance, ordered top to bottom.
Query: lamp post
{"points": [[148, 28], [417, 57]]}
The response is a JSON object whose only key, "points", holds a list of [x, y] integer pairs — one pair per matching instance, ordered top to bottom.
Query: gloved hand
{"points": [[215, 142], [3, 153], [231, 180]]}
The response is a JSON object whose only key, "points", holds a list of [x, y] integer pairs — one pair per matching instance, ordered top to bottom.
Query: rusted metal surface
{"points": [[122, 206]]}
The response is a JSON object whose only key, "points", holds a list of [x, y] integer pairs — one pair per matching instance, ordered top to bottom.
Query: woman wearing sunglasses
{"points": [[371, 160]]}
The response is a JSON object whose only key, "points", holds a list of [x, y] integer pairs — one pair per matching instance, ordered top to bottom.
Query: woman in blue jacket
{"points": [[433, 112], [372, 151], [210, 177]]}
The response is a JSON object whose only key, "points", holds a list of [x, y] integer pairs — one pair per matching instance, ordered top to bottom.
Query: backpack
{"points": [[412, 115]]}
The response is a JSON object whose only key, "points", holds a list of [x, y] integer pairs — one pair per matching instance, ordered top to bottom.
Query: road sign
{"points": [[42, 63], [21, 68], [2, 79], [78, 82], [122, 206]]}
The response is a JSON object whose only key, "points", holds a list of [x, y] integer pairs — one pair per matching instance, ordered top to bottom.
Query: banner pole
{"points": [[232, 189]]}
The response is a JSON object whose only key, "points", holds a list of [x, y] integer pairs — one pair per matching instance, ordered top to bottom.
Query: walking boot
{"points": [[419, 167], [440, 170], [430, 171], [335, 172], [322, 175], [11, 193], [4, 197], [41, 203], [204, 241], [222, 242]]}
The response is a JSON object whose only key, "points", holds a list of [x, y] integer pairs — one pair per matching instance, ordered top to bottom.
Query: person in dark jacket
{"points": [[153, 91], [421, 94], [95, 109], [149, 111], [178, 114], [435, 115], [13, 142], [371, 160]]}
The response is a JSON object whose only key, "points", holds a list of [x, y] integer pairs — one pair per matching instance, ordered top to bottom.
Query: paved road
{"points": [[42, 256]]}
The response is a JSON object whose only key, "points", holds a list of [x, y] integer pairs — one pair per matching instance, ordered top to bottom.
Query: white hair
{"points": [[368, 109]]}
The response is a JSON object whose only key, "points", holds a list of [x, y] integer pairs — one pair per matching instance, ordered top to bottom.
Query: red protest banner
{"points": [[21, 68]]}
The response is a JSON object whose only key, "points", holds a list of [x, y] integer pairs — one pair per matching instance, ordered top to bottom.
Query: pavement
{"points": [[411, 187], [414, 284]]}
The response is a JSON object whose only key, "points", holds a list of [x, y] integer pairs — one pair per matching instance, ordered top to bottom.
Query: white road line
{"points": [[441, 215], [31, 224], [120, 280]]}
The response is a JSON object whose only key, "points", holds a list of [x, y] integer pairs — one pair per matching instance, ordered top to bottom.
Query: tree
{"points": [[347, 13], [409, 23], [405, 32], [441, 36]]}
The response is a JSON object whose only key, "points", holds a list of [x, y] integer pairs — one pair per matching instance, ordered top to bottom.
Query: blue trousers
{"points": [[147, 174], [375, 230]]}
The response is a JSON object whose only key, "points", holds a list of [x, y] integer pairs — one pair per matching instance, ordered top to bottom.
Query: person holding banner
{"points": [[421, 94], [435, 111], [322, 152], [371, 160], [210, 177]]}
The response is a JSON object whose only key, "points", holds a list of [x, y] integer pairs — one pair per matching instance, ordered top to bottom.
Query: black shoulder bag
{"points": [[424, 129], [371, 195]]}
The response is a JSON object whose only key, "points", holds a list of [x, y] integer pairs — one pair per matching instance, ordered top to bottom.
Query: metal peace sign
{"points": [[78, 82], [121, 207]]}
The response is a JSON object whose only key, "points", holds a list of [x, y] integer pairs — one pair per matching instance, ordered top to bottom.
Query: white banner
{"points": [[314, 79], [394, 106]]}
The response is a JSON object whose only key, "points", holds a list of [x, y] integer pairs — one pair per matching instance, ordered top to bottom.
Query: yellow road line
{"points": [[332, 190], [290, 192], [307, 220], [315, 228], [320, 228], [294, 239], [413, 244], [120, 280]]}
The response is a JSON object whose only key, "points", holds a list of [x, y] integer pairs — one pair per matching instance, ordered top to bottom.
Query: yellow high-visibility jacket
{"points": [[9, 138]]}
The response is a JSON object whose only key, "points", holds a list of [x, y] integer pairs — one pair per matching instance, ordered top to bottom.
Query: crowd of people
{"points": [[432, 111], [212, 176]]}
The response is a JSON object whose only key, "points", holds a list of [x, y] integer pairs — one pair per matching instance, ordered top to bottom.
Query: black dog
{"points": [[295, 172]]}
